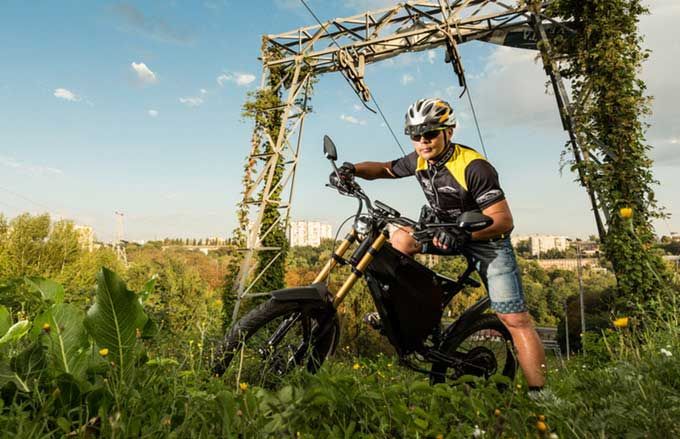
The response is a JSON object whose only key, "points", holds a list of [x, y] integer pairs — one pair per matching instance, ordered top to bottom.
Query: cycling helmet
{"points": [[427, 115]]}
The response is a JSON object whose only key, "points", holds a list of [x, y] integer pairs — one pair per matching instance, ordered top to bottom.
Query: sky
{"points": [[135, 107]]}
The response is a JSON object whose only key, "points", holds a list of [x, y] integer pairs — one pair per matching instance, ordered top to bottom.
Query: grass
{"points": [[627, 386]]}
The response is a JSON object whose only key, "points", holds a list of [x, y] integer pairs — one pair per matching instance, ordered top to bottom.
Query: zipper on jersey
{"points": [[434, 188]]}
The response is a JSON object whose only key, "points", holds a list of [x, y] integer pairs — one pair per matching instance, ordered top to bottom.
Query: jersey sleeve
{"points": [[405, 166], [482, 183]]}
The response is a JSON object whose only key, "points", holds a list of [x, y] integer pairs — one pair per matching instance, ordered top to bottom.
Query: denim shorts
{"points": [[497, 266]]}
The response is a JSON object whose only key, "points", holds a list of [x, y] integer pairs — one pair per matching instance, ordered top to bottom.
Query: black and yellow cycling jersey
{"points": [[460, 180]]}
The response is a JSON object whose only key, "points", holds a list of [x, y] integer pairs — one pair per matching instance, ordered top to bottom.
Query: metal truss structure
{"points": [[346, 45]]}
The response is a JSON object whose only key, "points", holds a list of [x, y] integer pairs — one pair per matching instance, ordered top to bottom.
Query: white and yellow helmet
{"points": [[428, 114]]}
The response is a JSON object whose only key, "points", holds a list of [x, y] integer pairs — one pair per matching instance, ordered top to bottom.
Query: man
{"points": [[457, 179]]}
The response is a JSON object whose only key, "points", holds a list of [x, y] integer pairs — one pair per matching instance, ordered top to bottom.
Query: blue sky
{"points": [[135, 107]]}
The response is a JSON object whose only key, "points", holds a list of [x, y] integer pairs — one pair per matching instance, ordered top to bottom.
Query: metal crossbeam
{"points": [[407, 27]]}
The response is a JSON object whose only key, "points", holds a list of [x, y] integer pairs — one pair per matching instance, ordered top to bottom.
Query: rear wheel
{"points": [[275, 338], [485, 348]]}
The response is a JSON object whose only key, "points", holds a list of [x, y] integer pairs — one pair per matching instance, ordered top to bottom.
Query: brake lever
{"points": [[422, 236]]}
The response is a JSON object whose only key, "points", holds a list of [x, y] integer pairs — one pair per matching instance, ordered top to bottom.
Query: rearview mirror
{"points": [[329, 149], [473, 221]]}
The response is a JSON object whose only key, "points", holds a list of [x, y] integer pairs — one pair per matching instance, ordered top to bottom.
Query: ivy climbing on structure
{"points": [[603, 60]]}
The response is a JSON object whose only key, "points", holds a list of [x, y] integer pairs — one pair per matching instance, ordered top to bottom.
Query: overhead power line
{"points": [[375, 101]]}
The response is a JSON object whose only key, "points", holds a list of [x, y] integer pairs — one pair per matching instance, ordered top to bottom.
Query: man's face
{"points": [[429, 147]]}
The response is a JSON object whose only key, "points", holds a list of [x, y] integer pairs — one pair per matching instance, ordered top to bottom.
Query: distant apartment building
{"points": [[301, 233], [85, 237], [542, 243]]}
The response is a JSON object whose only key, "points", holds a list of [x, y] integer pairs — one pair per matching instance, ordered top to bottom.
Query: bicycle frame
{"points": [[372, 259]]}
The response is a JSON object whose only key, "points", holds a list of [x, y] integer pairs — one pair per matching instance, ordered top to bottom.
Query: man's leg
{"points": [[496, 263], [530, 351]]}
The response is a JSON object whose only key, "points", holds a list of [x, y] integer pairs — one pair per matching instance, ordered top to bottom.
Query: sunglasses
{"points": [[430, 135]]}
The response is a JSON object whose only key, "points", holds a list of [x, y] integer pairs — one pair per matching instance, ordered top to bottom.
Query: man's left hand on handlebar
{"points": [[345, 173], [446, 238]]}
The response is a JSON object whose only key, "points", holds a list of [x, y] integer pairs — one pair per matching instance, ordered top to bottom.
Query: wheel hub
{"points": [[479, 361]]}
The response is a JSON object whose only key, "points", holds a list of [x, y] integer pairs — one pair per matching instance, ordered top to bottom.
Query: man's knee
{"points": [[404, 242], [517, 320]]}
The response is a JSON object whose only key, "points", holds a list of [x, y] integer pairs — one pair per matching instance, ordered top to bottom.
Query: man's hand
{"points": [[345, 173], [446, 238]]}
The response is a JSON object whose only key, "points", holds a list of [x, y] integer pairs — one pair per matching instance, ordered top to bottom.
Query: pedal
{"points": [[373, 320]]}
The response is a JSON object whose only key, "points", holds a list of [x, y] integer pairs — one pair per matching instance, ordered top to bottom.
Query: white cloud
{"points": [[431, 56], [144, 74], [406, 78], [240, 79], [511, 90], [203, 91], [65, 94], [192, 101], [356, 107], [153, 113], [352, 120], [29, 169]]}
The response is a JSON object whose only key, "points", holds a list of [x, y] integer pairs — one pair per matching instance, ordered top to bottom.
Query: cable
{"points": [[461, 75], [474, 115], [388, 124], [389, 127], [26, 198], [328, 279]]}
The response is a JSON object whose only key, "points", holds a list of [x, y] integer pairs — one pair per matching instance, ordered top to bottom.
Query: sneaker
{"points": [[373, 320], [543, 396]]}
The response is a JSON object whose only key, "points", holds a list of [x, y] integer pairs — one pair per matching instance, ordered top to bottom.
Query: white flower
{"points": [[666, 353], [478, 432], [553, 436]]}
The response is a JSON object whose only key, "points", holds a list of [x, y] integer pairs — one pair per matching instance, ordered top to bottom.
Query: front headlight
{"points": [[363, 225]]}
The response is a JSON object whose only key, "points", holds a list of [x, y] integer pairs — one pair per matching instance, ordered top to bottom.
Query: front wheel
{"points": [[275, 338], [484, 348]]}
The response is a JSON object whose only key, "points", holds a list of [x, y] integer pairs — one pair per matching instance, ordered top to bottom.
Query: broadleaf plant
{"points": [[49, 290], [115, 320], [62, 331]]}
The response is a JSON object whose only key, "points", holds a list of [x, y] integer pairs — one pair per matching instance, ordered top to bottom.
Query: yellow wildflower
{"points": [[626, 212], [621, 322], [46, 327], [103, 352], [356, 366], [243, 386], [497, 412], [541, 417], [541, 426], [440, 436]]}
